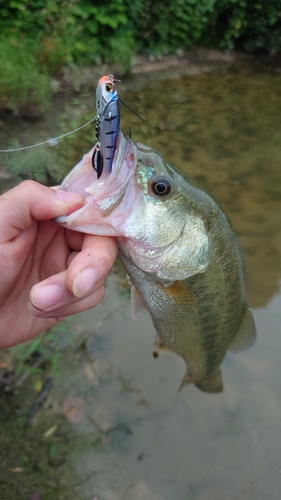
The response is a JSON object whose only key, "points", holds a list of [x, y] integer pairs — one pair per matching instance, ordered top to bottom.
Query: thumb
{"points": [[30, 201]]}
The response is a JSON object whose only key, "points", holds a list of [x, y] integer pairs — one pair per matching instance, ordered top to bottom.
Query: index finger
{"points": [[30, 201]]}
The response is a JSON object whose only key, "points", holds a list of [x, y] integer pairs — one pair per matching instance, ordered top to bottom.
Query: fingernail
{"points": [[69, 197], [84, 282], [47, 296]]}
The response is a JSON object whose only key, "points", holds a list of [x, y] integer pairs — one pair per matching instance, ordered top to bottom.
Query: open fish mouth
{"points": [[83, 179], [103, 194]]}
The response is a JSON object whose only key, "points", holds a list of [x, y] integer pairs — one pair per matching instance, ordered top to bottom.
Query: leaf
{"points": [[17, 5], [92, 26], [37, 386], [50, 431]]}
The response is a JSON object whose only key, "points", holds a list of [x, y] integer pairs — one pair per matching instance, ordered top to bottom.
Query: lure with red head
{"points": [[107, 127]]}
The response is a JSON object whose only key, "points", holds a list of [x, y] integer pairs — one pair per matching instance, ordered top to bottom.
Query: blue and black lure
{"points": [[108, 122], [107, 127]]}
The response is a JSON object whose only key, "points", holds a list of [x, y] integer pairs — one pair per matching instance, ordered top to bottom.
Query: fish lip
{"points": [[121, 145], [105, 174], [83, 178], [107, 192], [103, 195]]}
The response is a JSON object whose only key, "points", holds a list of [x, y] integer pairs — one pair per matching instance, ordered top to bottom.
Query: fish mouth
{"points": [[104, 194]]}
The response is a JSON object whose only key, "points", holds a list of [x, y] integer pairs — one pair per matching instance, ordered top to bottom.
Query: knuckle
{"points": [[28, 185], [26, 190], [106, 260]]}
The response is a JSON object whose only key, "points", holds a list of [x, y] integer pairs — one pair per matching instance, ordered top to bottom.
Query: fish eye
{"points": [[109, 87], [161, 186]]}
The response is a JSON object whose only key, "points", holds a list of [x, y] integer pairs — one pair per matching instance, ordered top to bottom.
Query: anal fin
{"points": [[187, 379]]}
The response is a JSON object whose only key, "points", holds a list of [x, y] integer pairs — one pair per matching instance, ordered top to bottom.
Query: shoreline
{"points": [[144, 68]]}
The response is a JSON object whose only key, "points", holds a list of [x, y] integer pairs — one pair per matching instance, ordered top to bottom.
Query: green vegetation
{"points": [[246, 24], [166, 25], [163, 26], [66, 31], [87, 32], [37, 37], [24, 88], [49, 164], [43, 165], [40, 355], [33, 464]]}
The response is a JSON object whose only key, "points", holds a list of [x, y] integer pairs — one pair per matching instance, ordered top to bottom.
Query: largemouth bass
{"points": [[179, 250]]}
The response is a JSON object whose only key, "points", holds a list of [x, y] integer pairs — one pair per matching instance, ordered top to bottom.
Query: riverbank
{"points": [[143, 69], [77, 79]]}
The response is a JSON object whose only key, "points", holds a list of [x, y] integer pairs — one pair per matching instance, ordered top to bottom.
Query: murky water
{"points": [[224, 129]]}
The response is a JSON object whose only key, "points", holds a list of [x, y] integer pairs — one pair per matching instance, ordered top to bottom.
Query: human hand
{"points": [[46, 271]]}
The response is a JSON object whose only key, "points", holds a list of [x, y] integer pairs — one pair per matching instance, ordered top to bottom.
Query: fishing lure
{"points": [[107, 127]]}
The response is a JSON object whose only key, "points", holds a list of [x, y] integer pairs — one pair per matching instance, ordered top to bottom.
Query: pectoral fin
{"points": [[137, 302], [246, 334]]}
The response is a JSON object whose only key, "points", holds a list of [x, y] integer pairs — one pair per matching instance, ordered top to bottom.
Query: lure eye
{"points": [[109, 87], [161, 186]]}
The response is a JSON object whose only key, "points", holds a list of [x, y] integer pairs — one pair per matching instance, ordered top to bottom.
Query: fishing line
{"points": [[131, 109], [53, 140]]}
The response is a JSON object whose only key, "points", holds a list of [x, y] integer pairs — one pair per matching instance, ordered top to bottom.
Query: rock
{"points": [[55, 86]]}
